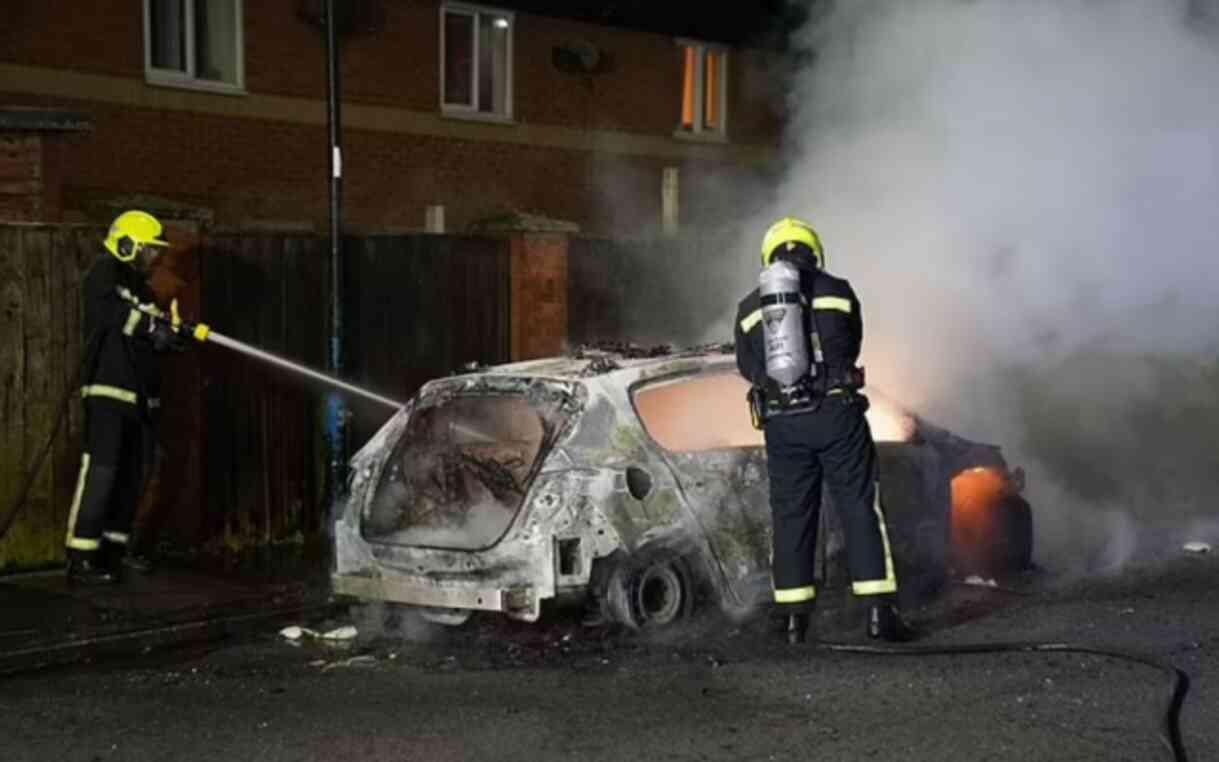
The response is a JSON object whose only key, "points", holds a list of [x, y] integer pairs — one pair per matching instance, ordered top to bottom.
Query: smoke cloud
{"points": [[1023, 192]]}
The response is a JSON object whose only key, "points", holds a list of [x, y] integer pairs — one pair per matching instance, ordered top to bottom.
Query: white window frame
{"points": [[187, 79], [471, 111], [698, 130]]}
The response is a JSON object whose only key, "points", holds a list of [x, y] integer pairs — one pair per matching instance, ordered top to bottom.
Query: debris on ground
{"points": [[1196, 547], [976, 581], [343, 634], [364, 660]]}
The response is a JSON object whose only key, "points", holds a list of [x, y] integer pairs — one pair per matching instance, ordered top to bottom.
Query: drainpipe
{"points": [[336, 414]]}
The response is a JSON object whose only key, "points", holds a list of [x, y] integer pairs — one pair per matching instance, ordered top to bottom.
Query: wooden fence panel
{"points": [[41, 270], [419, 307], [12, 385], [263, 470]]}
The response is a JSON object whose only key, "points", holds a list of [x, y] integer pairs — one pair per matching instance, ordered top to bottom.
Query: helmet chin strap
{"points": [[145, 258]]}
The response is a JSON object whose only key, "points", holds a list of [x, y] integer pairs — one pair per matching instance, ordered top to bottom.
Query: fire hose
{"points": [[201, 332], [1170, 718]]}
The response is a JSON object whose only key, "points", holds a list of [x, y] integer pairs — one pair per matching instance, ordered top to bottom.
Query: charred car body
{"points": [[634, 482]]}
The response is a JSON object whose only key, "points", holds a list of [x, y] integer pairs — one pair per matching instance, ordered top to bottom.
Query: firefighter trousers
{"points": [[833, 443], [118, 452]]}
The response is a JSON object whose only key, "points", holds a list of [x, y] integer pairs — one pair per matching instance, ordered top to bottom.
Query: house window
{"points": [[194, 43], [476, 61], [704, 93]]}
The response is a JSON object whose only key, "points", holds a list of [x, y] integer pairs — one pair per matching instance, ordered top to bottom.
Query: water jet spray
{"points": [[204, 333]]}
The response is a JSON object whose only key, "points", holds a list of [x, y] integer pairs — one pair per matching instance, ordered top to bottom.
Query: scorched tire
{"points": [[650, 590]]}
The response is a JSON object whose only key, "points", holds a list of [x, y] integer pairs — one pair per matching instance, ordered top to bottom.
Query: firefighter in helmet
{"points": [[798, 338], [121, 394]]}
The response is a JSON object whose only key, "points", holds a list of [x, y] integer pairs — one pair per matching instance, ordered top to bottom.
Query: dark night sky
{"points": [[759, 23]]}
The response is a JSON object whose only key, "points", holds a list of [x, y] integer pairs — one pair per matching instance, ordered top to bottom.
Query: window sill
{"points": [[187, 83], [477, 116], [700, 137]]}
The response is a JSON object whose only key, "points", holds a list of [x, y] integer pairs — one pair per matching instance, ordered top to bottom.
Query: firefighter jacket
{"points": [[834, 311], [121, 368]]}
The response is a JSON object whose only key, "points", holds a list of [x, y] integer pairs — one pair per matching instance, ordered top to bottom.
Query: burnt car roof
{"points": [[610, 360]]}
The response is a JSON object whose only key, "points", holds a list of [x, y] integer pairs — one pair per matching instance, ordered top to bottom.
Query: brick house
{"points": [[452, 112]]}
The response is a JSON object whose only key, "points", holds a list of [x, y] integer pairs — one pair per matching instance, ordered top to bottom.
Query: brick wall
{"points": [[273, 170], [21, 182], [538, 295]]}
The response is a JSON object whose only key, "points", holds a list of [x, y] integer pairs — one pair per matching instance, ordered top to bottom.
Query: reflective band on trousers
{"points": [[839, 303], [750, 320], [110, 392], [116, 537], [73, 542], [889, 583], [795, 594]]}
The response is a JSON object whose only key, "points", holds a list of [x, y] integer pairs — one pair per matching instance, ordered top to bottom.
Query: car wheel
{"points": [[650, 590]]}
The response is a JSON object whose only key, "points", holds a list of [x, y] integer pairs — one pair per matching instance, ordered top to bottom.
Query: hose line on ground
{"points": [[31, 475], [1170, 724]]}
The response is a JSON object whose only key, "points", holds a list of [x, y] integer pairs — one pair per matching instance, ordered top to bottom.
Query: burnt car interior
{"points": [[457, 477]]}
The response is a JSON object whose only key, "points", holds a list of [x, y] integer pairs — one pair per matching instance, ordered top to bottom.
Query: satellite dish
{"points": [[579, 57]]}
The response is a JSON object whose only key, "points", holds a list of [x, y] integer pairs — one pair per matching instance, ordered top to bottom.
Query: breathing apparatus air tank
{"points": [[783, 331]]}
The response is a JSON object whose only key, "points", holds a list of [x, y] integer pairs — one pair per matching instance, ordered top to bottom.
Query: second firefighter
{"points": [[798, 339]]}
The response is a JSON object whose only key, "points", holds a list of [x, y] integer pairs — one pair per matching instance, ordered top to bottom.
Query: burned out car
{"points": [[634, 483]]}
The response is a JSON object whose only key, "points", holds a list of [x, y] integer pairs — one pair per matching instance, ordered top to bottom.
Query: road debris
{"points": [[1196, 547], [976, 581], [296, 633], [364, 660]]}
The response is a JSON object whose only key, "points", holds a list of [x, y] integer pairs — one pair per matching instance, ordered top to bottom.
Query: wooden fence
{"points": [[41, 269], [422, 306]]}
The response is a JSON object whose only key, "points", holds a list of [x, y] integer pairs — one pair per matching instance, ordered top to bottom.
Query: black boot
{"points": [[120, 558], [138, 562], [86, 571], [790, 623], [885, 623], [796, 628]]}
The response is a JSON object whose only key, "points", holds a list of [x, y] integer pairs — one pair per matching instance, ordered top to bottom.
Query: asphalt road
{"points": [[717, 690]]}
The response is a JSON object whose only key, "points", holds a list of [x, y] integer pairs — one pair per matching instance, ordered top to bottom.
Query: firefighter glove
{"points": [[164, 338]]}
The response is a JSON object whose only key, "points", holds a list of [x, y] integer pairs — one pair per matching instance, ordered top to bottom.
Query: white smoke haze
{"points": [[1024, 194]]}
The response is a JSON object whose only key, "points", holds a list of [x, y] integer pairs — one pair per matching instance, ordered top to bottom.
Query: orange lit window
{"points": [[703, 89], [712, 89], [687, 93]]}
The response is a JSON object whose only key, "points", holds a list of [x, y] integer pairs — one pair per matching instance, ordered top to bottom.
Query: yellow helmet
{"points": [[790, 231], [130, 232]]}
